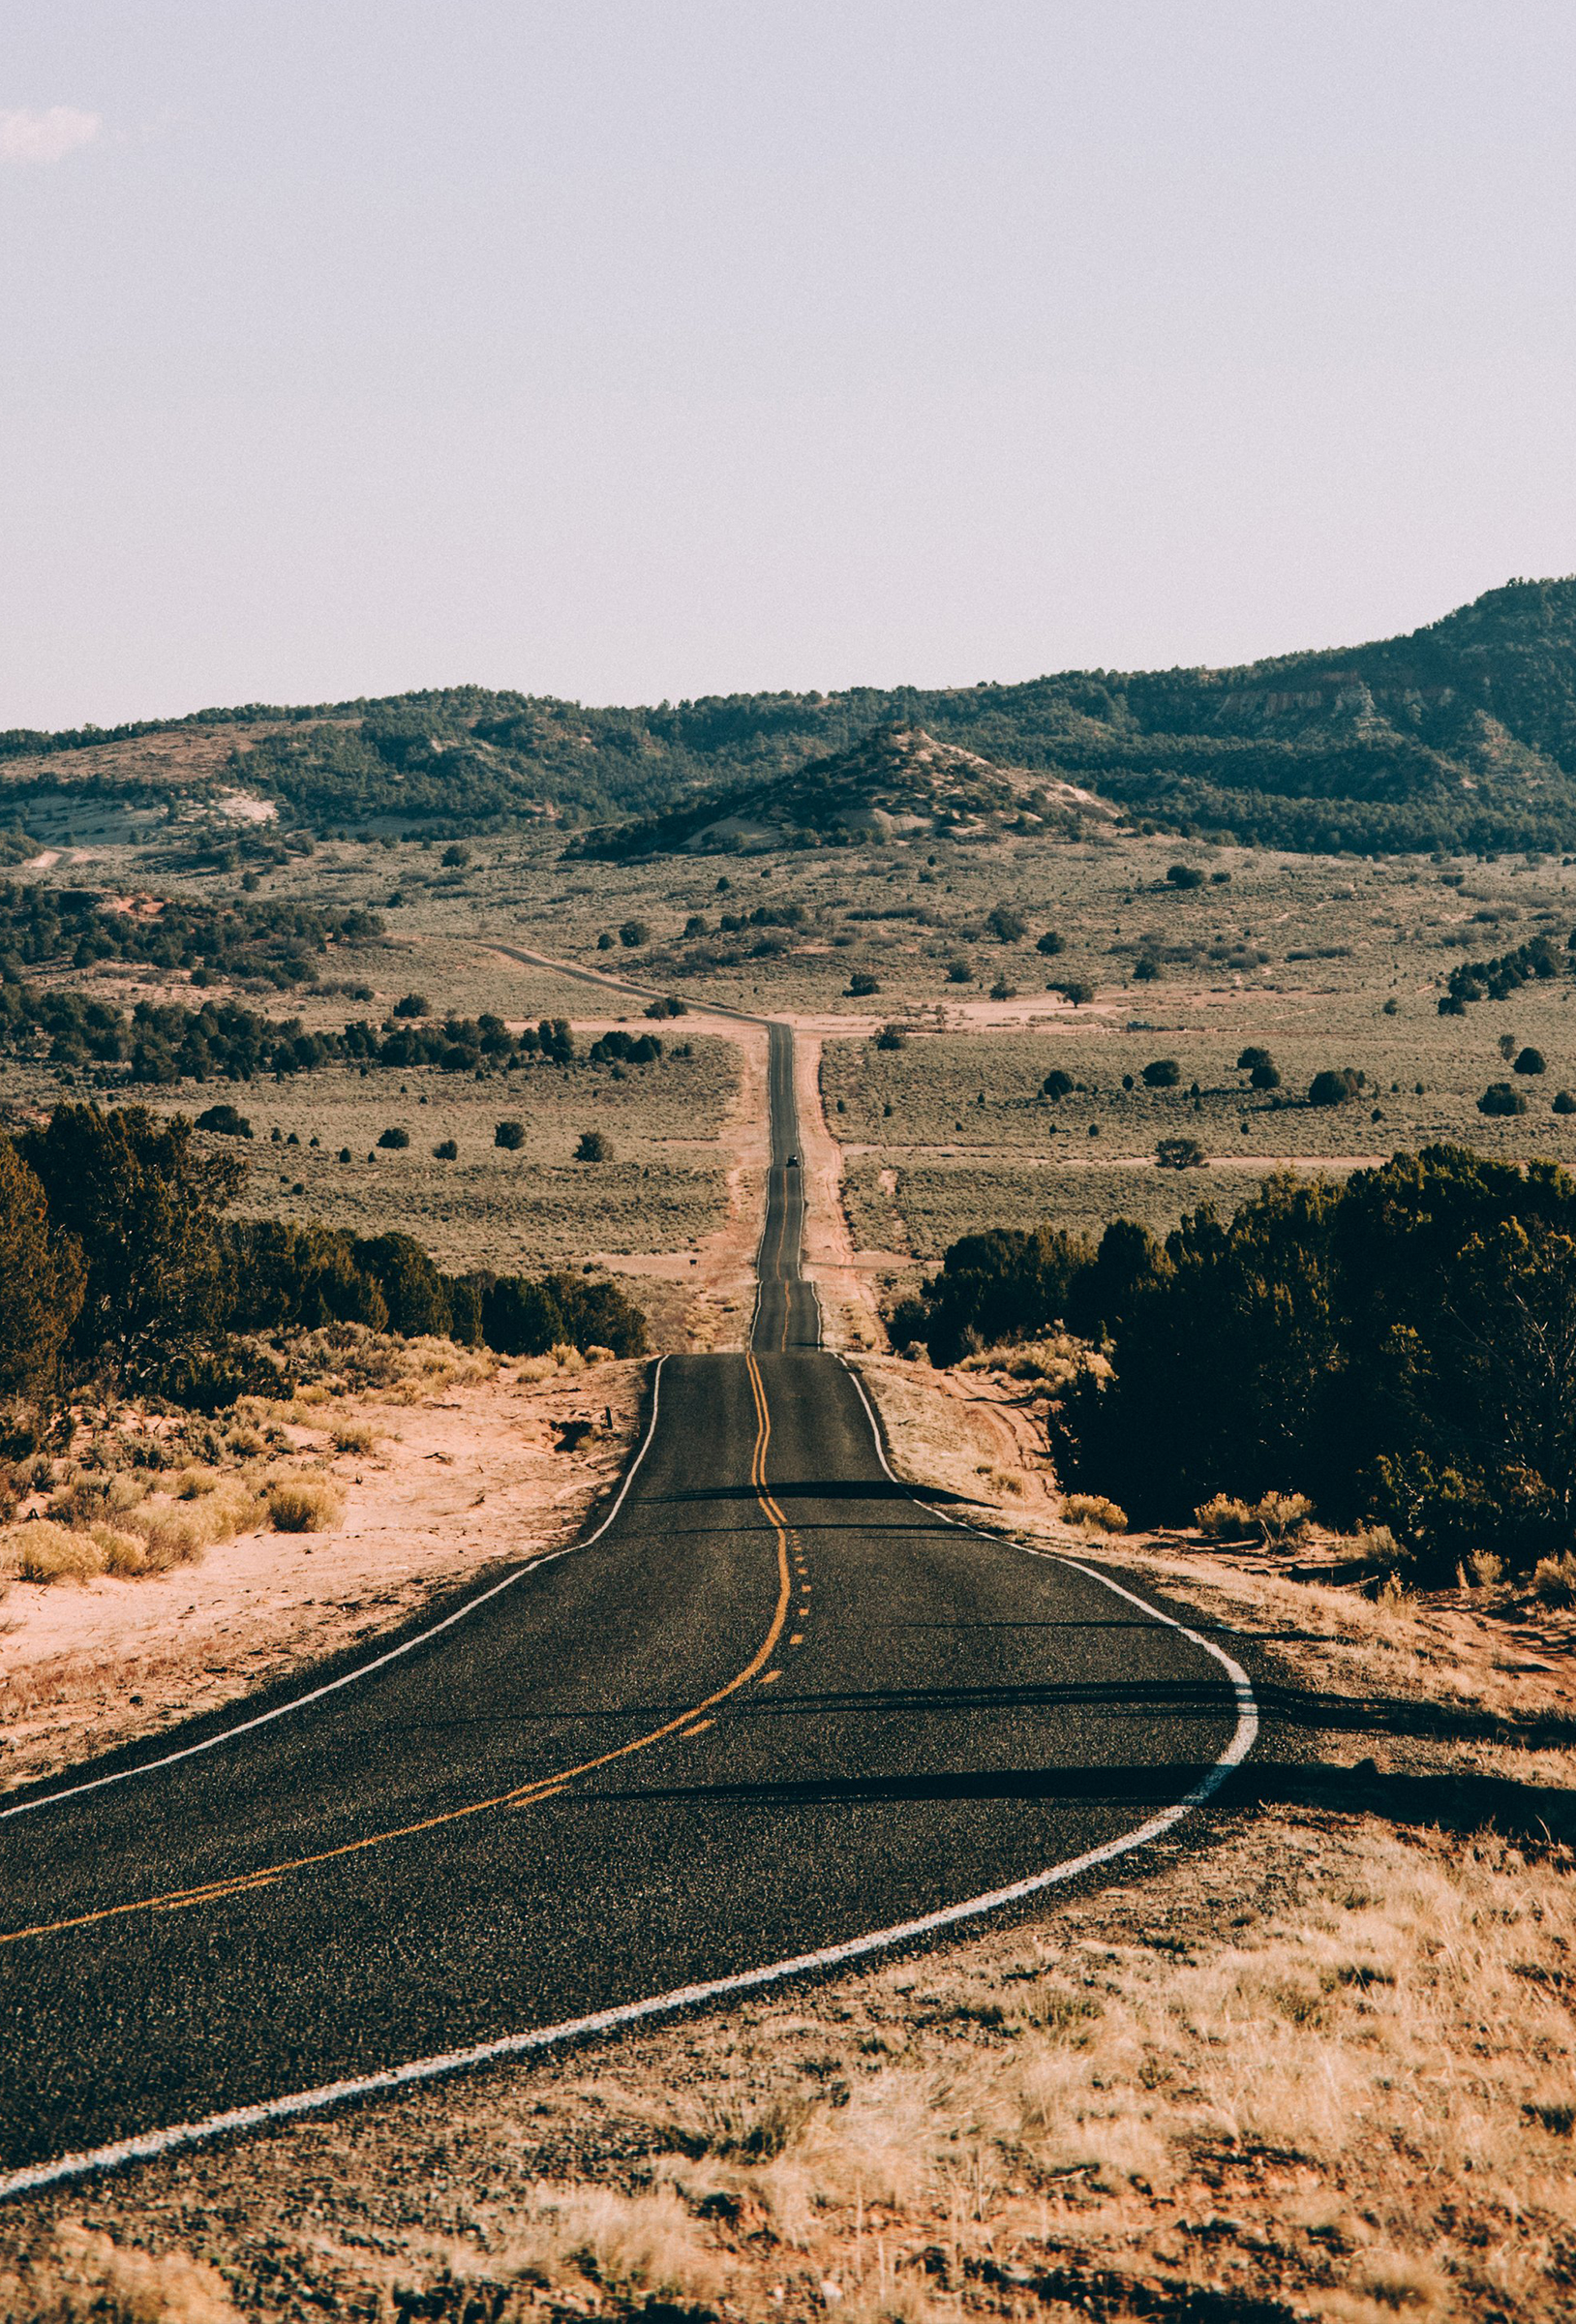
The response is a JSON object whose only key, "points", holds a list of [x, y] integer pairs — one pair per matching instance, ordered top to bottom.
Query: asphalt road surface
{"points": [[775, 1707]]}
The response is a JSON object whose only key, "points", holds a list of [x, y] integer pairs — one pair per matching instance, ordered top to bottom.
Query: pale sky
{"points": [[632, 348]]}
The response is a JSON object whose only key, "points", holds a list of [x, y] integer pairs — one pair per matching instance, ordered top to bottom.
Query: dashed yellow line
{"points": [[542, 1788]]}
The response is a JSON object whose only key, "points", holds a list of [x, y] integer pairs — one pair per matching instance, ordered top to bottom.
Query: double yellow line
{"points": [[524, 1795]]}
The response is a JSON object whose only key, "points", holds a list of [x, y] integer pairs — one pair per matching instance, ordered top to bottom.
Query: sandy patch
{"points": [[245, 806], [975, 1433], [452, 1485]]}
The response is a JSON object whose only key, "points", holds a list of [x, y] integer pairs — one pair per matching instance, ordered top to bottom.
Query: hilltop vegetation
{"points": [[1461, 735], [898, 780]]}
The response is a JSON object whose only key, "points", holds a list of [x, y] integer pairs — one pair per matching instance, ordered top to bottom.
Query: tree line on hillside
{"points": [[1461, 735], [279, 943], [1498, 978], [162, 1042], [118, 1265], [1400, 1346]]}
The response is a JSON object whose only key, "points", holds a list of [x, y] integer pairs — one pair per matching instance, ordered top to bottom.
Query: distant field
{"points": [[1298, 954], [934, 1086], [952, 1112], [663, 1189], [480, 1214]]}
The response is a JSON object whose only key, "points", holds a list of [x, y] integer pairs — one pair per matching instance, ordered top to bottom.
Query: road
{"points": [[772, 1711]]}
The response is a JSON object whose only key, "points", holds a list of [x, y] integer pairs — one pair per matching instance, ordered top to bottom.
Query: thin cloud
{"points": [[29, 137]]}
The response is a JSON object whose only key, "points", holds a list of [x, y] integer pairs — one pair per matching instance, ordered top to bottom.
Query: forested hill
{"points": [[1462, 734]]}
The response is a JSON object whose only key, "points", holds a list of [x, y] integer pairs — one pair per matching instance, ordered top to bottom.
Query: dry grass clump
{"points": [[561, 1361], [1056, 1361], [410, 1371], [352, 1436], [1002, 1482], [86, 1500], [303, 1505], [1094, 1513], [1280, 1517], [1223, 1518], [1276, 1519], [101, 1533], [179, 1535], [44, 1550], [1553, 1580], [630, 2251], [83, 2277]]}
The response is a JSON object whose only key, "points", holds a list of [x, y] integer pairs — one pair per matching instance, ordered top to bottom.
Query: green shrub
{"points": [[1333, 1087], [1500, 1097], [510, 1135]]}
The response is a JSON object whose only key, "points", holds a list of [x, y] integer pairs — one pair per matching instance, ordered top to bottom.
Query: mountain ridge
{"points": [[1460, 734]]}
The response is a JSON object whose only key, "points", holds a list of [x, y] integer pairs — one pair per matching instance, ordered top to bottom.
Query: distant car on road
{"points": [[793, 1162]]}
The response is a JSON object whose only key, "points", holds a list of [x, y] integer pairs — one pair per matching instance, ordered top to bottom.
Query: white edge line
{"points": [[297, 1702], [1246, 1730], [153, 2143]]}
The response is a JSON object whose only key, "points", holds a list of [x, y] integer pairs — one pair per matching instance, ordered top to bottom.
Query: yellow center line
{"points": [[540, 1787]]}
